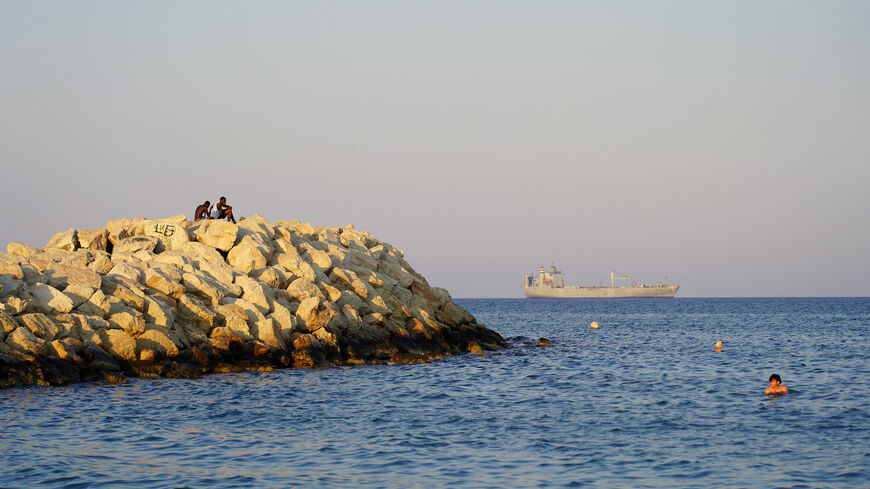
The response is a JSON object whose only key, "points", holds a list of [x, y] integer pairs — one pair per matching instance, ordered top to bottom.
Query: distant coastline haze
{"points": [[723, 144]]}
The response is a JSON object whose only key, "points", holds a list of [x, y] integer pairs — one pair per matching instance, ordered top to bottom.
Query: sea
{"points": [[643, 401]]}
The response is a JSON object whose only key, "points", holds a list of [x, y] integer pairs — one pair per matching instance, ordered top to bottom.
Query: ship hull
{"points": [[663, 291]]}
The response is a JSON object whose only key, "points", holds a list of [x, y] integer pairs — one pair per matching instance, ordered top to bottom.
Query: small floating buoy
{"points": [[594, 325], [719, 346]]}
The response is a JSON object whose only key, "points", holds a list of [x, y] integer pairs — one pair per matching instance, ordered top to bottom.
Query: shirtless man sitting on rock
{"points": [[201, 211], [776, 387]]}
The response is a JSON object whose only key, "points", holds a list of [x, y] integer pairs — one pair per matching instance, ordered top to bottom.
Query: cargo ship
{"points": [[551, 283]]}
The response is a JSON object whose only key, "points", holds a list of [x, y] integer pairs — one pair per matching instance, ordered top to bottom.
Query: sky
{"points": [[725, 144]]}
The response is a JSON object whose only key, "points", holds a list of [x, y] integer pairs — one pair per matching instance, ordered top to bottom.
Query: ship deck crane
{"points": [[614, 276]]}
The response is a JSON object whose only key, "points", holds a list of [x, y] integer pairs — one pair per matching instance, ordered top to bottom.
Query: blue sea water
{"points": [[644, 401]]}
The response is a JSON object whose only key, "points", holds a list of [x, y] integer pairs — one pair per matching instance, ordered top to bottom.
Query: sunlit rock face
{"points": [[171, 297]]}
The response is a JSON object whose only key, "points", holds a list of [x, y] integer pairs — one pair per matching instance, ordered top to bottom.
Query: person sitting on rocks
{"points": [[222, 210], [202, 211]]}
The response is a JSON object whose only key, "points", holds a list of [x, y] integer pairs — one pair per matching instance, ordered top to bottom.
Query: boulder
{"points": [[256, 226], [291, 227], [124, 228], [170, 232], [220, 235], [93, 239], [64, 240], [136, 243], [282, 245], [21, 249], [204, 252], [247, 257], [176, 258], [320, 260], [102, 263], [294, 264], [10, 266], [169, 270], [220, 271], [132, 272], [60, 276], [273, 276], [349, 279], [158, 280], [199, 284], [10, 286], [124, 289], [302, 289], [257, 293], [79, 294], [49, 299], [96, 305], [192, 311], [251, 311], [158, 313], [312, 314], [235, 318], [284, 319], [130, 321], [8, 323], [41, 326], [82, 327], [268, 333], [158, 340], [24, 341], [119, 343], [67, 349], [98, 358]]}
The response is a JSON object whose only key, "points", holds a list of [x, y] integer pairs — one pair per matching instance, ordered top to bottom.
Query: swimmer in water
{"points": [[718, 346], [776, 388]]}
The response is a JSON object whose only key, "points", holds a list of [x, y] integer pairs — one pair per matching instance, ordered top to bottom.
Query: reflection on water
{"points": [[643, 401]]}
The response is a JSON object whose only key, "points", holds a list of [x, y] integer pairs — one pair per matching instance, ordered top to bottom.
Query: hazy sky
{"points": [[725, 144]]}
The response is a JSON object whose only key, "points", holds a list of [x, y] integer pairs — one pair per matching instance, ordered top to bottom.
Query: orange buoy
{"points": [[594, 325]]}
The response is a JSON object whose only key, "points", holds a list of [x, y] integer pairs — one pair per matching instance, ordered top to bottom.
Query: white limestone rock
{"points": [[170, 232], [220, 235], [93, 239], [64, 240], [136, 243], [21, 249], [247, 257], [294, 264], [60, 275], [159, 280], [198, 283], [302, 289], [78, 293], [257, 293], [49, 299], [96, 305], [41, 326], [268, 333], [157, 339], [24, 341], [119, 343]]}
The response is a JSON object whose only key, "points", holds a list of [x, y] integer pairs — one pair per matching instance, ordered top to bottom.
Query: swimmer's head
{"points": [[775, 377]]}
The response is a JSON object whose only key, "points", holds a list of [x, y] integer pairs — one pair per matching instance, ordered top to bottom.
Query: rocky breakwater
{"points": [[176, 298]]}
